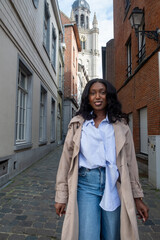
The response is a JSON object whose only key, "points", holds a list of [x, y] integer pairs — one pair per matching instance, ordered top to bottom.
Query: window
{"points": [[76, 17], [82, 20], [87, 22], [46, 29], [83, 44], [141, 45], [53, 57], [129, 59], [60, 76], [24, 105], [43, 116], [52, 120], [59, 126], [143, 131]]}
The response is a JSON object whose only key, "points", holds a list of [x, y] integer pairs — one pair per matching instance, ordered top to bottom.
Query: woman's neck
{"points": [[100, 116]]}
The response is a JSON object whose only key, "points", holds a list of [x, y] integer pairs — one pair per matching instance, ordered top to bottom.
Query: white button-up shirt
{"points": [[97, 148]]}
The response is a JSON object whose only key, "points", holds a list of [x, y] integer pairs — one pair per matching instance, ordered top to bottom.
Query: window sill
{"points": [[52, 141], [41, 143], [22, 146], [142, 156]]}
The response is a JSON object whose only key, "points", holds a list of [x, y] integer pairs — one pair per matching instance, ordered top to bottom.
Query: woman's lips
{"points": [[98, 103]]}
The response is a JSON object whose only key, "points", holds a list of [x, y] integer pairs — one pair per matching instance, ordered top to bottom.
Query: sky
{"points": [[104, 13]]}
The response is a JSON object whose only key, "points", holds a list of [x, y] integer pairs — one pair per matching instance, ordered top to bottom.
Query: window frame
{"points": [[76, 18], [82, 21], [87, 22], [46, 27], [141, 44], [54, 47], [129, 58], [24, 69], [60, 76], [53, 120], [43, 122], [143, 130]]}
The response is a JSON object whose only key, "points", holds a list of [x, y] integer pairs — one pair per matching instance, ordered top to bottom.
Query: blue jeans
{"points": [[94, 222]]}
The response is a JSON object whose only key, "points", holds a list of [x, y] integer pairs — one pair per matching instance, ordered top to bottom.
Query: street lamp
{"points": [[136, 18]]}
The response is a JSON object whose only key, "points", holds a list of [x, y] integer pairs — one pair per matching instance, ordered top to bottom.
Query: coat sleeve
{"points": [[133, 167], [61, 195]]}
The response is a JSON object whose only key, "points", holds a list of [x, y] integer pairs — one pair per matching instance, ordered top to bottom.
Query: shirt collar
{"points": [[91, 121]]}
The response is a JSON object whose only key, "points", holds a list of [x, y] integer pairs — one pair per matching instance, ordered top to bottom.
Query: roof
{"points": [[81, 4]]}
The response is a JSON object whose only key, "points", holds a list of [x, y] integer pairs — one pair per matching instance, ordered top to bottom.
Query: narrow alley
{"points": [[27, 205]]}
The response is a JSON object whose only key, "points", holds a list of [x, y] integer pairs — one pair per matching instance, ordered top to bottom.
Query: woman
{"points": [[98, 176]]}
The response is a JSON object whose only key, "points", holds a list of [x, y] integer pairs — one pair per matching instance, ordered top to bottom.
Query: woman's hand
{"points": [[60, 208], [142, 209]]}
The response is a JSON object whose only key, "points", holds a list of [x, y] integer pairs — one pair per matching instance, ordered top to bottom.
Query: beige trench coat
{"points": [[128, 185]]}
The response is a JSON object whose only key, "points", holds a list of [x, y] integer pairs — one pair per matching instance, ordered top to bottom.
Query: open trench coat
{"points": [[128, 184]]}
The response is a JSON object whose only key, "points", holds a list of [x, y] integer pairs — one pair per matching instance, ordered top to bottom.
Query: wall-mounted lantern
{"points": [[136, 18]]}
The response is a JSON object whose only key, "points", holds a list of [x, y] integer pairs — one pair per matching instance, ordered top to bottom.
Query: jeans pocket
{"points": [[82, 172]]}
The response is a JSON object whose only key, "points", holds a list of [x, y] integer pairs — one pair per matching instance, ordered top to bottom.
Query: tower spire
{"points": [[95, 22]]}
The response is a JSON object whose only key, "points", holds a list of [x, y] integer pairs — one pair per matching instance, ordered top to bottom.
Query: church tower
{"points": [[89, 56]]}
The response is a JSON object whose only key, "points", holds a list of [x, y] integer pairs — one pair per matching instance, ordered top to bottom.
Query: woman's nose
{"points": [[97, 95]]}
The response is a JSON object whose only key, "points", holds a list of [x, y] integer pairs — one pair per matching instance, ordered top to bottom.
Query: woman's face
{"points": [[97, 96]]}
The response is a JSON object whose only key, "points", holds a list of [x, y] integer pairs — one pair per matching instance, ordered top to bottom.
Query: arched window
{"points": [[76, 17], [82, 20], [87, 22], [83, 44]]}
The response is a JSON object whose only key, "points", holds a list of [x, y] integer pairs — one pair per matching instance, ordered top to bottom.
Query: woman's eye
{"points": [[92, 93]]}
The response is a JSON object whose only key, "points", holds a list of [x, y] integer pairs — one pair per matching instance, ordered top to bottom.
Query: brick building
{"points": [[73, 46], [108, 64], [137, 79]]}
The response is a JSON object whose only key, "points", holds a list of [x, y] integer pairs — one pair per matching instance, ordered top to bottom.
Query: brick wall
{"points": [[71, 56], [110, 72], [142, 89]]}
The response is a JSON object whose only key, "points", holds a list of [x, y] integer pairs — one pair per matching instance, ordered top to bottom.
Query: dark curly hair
{"points": [[113, 107]]}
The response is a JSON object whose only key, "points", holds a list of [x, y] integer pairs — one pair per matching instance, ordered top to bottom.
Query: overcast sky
{"points": [[104, 13]]}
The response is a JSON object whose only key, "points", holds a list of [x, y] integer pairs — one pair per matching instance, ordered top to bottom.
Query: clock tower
{"points": [[89, 56]]}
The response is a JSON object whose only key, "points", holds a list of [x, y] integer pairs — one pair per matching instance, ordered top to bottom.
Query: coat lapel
{"points": [[77, 125], [120, 136]]}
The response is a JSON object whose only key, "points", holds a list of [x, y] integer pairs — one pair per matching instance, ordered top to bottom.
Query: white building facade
{"points": [[89, 56], [29, 98]]}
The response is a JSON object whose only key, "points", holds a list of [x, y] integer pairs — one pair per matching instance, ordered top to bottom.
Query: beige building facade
{"points": [[30, 88]]}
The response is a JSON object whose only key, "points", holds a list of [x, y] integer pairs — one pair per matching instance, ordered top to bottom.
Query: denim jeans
{"points": [[94, 222]]}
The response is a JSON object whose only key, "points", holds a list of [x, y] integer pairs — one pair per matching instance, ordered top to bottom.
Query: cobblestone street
{"points": [[27, 205]]}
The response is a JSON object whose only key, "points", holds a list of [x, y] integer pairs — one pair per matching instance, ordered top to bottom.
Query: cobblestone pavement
{"points": [[27, 205]]}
